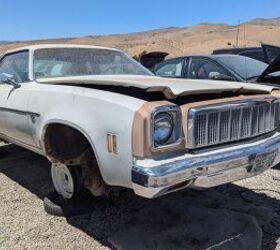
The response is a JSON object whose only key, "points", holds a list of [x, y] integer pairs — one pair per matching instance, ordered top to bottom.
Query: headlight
{"points": [[166, 126], [163, 128]]}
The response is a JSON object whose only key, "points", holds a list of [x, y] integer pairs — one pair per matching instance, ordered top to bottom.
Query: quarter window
{"points": [[17, 65], [172, 68]]}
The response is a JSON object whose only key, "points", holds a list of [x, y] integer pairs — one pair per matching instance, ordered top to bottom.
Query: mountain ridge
{"points": [[198, 39]]}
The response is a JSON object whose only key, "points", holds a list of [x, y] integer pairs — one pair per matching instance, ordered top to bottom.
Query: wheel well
{"points": [[64, 143], [69, 146]]}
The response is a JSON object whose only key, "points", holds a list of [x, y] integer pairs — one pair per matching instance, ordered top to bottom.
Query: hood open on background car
{"points": [[271, 52], [265, 53], [151, 59], [273, 67]]}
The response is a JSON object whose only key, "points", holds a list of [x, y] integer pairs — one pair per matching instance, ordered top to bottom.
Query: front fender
{"points": [[94, 113]]}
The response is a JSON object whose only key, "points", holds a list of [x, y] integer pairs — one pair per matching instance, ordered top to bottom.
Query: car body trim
{"points": [[19, 112]]}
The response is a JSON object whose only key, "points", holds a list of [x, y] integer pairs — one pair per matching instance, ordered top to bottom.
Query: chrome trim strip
{"points": [[244, 103], [19, 112], [199, 170]]}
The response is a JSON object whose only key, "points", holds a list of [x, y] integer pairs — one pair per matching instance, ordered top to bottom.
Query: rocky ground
{"points": [[243, 215]]}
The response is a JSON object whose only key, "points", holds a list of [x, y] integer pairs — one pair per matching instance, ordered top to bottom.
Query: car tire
{"points": [[67, 180], [56, 205]]}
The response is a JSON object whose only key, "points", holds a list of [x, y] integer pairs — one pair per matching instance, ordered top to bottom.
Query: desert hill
{"points": [[265, 22], [202, 38]]}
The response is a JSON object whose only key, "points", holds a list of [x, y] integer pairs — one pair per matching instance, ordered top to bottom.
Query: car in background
{"points": [[266, 53], [220, 67]]}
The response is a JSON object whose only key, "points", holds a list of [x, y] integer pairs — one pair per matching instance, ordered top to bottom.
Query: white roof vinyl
{"points": [[45, 46]]}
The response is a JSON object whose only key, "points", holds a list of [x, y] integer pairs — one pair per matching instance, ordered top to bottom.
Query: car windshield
{"points": [[59, 62], [244, 66]]}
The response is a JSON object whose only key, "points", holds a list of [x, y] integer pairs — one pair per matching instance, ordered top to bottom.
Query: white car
{"points": [[105, 121]]}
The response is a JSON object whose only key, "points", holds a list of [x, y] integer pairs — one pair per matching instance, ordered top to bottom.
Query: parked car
{"points": [[266, 53], [220, 67], [103, 121]]}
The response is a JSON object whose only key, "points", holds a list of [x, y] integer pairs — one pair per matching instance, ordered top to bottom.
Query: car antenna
{"points": [[237, 34], [237, 43], [245, 44]]}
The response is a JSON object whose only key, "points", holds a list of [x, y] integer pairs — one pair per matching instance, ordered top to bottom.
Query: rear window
{"points": [[244, 66]]}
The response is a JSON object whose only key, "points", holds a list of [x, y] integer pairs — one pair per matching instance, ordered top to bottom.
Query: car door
{"points": [[205, 68], [14, 118]]}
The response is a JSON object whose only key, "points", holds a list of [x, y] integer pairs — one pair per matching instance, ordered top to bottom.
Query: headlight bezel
{"points": [[174, 112]]}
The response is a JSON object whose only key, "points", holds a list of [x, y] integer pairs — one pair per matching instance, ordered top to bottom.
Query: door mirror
{"points": [[221, 77], [8, 79]]}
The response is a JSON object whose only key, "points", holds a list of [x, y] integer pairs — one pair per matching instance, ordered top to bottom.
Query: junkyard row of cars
{"points": [[256, 64], [103, 120]]}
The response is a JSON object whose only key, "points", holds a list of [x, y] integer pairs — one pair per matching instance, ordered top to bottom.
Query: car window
{"points": [[255, 54], [61, 62], [17, 65], [244, 66], [51, 68], [170, 68], [204, 69]]}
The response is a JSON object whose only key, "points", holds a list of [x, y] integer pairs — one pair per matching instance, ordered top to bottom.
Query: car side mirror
{"points": [[220, 77], [8, 79]]}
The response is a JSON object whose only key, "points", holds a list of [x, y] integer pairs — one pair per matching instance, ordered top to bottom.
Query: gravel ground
{"points": [[243, 215]]}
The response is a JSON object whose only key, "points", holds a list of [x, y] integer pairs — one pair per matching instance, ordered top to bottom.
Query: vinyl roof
{"points": [[45, 46]]}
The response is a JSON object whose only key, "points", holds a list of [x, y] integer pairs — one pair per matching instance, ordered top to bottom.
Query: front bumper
{"points": [[152, 178]]}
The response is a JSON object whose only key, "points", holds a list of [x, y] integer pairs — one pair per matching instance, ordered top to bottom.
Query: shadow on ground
{"points": [[227, 217]]}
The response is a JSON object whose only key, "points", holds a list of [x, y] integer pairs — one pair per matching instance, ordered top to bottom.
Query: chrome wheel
{"points": [[63, 180]]}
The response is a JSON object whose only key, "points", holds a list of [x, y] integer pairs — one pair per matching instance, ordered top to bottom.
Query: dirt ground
{"points": [[243, 215]]}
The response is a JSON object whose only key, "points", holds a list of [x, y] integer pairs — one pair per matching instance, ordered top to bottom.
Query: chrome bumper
{"points": [[152, 178]]}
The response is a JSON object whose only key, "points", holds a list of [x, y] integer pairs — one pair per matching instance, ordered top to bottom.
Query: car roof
{"points": [[46, 46], [236, 50], [206, 56], [225, 56]]}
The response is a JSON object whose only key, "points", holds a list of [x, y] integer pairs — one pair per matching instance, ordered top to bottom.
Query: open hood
{"points": [[271, 52], [153, 58], [273, 67], [171, 87]]}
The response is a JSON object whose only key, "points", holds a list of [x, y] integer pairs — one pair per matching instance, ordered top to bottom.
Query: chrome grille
{"points": [[233, 121]]}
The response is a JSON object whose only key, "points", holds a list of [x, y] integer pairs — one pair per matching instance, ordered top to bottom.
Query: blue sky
{"points": [[38, 19]]}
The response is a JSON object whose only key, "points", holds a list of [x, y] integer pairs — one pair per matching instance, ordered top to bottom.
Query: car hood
{"points": [[270, 52], [153, 58], [273, 67], [171, 87]]}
